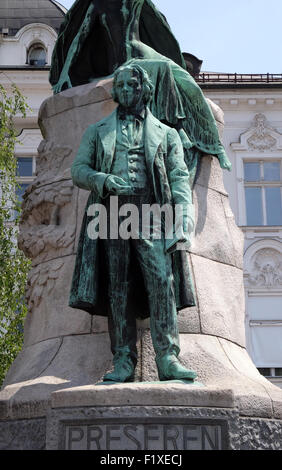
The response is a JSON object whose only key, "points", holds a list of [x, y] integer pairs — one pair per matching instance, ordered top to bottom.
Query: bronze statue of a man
{"points": [[132, 155]]}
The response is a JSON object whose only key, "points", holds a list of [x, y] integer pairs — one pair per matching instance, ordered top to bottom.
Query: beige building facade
{"points": [[28, 32], [252, 106]]}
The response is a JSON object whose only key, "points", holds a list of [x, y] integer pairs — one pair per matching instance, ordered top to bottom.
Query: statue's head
{"points": [[132, 86]]}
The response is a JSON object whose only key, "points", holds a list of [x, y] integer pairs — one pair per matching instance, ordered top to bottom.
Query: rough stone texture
{"points": [[209, 175], [235, 233], [213, 236], [221, 303], [49, 315], [189, 320], [67, 348], [35, 359], [77, 360], [221, 364], [143, 394], [135, 413], [243, 433], [23, 434], [260, 434]]}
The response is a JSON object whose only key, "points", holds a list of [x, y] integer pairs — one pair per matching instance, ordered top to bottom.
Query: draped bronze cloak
{"points": [[111, 27]]}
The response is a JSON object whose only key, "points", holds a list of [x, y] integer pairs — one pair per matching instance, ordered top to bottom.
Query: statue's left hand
{"points": [[64, 80], [224, 163], [183, 227]]}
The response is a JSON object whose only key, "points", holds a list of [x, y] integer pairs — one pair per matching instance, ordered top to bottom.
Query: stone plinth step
{"points": [[143, 394]]}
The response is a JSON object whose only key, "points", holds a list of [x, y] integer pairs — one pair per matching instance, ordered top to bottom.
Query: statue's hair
{"points": [[147, 85]]}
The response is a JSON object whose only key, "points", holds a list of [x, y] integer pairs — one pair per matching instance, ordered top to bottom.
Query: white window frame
{"points": [[37, 45], [26, 146], [244, 153], [254, 157], [30, 178], [262, 184]]}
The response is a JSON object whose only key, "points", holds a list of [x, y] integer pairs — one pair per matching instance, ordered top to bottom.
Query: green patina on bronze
{"points": [[100, 35], [97, 36], [161, 128], [125, 279]]}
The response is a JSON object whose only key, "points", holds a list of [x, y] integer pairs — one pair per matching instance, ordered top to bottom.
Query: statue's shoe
{"points": [[169, 368], [123, 371]]}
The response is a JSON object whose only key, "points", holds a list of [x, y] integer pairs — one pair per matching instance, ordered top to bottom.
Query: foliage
{"points": [[13, 264]]}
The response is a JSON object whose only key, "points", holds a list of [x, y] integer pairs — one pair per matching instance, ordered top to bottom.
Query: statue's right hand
{"points": [[117, 186]]}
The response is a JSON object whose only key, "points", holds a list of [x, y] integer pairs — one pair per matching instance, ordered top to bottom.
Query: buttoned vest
{"points": [[129, 160]]}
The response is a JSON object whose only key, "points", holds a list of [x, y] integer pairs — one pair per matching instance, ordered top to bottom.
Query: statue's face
{"points": [[128, 88]]}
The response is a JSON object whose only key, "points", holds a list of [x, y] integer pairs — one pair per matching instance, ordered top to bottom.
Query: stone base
{"points": [[60, 387], [48, 400], [168, 416]]}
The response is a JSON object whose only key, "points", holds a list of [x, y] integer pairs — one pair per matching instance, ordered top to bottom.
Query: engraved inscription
{"points": [[135, 436]]}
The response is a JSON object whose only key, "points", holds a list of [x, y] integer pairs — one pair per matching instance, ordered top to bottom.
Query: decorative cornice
{"points": [[33, 28], [260, 137], [28, 142]]}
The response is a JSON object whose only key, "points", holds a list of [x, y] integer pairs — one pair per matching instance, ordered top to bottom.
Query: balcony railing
{"points": [[238, 78]]}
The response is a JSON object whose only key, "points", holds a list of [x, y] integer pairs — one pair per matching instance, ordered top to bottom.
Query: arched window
{"points": [[37, 55]]}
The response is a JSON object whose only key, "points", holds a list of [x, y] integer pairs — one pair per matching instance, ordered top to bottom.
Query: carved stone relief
{"points": [[261, 138], [51, 160], [48, 227], [266, 269], [42, 279]]}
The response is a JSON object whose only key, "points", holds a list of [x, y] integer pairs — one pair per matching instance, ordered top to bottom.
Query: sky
{"points": [[242, 36]]}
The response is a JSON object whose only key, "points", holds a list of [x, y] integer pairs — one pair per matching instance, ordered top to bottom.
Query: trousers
{"points": [[156, 269]]}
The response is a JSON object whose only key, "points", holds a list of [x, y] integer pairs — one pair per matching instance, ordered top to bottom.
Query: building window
{"points": [[37, 55], [24, 167], [25, 172], [263, 192], [264, 334], [270, 371]]}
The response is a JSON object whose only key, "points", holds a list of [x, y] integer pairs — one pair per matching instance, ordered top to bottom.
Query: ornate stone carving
{"points": [[261, 138], [50, 160], [43, 231], [266, 269], [42, 278]]}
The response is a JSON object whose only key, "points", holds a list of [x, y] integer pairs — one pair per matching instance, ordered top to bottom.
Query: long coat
{"points": [[169, 178]]}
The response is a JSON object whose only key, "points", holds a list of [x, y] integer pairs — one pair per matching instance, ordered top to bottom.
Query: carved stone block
{"points": [[48, 222], [221, 306], [49, 315]]}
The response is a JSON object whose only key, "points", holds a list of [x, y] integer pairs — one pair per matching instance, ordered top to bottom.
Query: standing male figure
{"points": [[132, 155]]}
